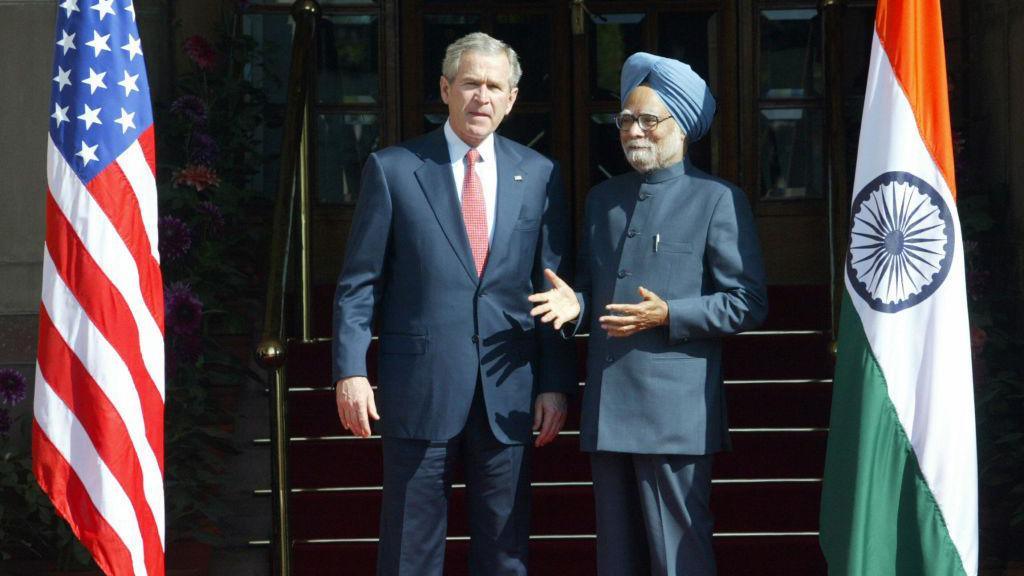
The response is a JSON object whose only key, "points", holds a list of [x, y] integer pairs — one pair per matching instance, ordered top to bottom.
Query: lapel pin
{"points": [[518, 178]]}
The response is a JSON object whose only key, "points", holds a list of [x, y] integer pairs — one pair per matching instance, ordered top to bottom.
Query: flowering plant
{"points": [[207, 241], [209, 251], [29, 527]]}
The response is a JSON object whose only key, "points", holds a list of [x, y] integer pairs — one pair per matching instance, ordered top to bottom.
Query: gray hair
{"points": [[480, 43]]}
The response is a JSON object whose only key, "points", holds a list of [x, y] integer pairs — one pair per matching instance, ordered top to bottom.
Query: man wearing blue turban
{"points": [[670, 262]]}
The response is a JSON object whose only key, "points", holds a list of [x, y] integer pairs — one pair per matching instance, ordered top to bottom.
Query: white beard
{"points": [[641, 156], [644, 156]]}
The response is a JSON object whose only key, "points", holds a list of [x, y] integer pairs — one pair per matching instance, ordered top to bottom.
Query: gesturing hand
{"points": [[558, 304], [628, 319], [355, 404]]}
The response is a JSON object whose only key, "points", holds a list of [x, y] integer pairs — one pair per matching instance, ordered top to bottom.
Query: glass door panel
{"points": [[690, 32], [611, 39]]}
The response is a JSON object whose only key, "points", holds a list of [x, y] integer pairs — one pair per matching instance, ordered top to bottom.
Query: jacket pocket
{"points": [[676, 247], [402, 344]]}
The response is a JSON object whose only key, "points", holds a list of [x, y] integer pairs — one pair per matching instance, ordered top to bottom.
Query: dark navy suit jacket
{"points": [[691, 239], [409, 272]]}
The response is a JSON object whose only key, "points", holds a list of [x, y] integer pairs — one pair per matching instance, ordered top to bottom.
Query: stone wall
{"points": [[26, 43], [26, 46]]}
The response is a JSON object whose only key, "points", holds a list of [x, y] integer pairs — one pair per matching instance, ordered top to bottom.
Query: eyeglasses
{"points": [[648, 122]]}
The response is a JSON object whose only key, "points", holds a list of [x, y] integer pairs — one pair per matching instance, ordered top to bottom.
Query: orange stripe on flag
{"points": [[911, 33], [71, 500]]}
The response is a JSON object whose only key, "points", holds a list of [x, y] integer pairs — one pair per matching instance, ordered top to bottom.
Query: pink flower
{"points": [[201, 52], [197, 176]]}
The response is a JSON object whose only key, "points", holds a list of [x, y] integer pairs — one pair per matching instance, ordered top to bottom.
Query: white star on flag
{"points": [[70, 6], [104, 7], [130, 8], [68, 41], [98, 43], [133, 47], [63, 78], [95, 80], [130, 83], [60, 114], [90, 116], [127, 120], [87, 153], [99, 459]]}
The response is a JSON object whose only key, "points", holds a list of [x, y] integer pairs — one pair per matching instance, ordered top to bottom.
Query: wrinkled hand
{"points": [[558, 304], [628, 319], [355, 404], [548, 416]]}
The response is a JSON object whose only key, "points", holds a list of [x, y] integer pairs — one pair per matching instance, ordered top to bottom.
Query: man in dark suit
{"points": [[452, 232], [684, 244]]}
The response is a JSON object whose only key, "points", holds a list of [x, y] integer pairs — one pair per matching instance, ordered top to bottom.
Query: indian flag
{"points": [[900, 495]]}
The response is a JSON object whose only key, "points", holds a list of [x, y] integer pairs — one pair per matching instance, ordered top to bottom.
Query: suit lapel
{"points": [[435, 178], [512, 180]]}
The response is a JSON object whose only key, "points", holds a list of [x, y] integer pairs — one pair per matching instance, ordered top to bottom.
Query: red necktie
{"points": [[474, 213]]}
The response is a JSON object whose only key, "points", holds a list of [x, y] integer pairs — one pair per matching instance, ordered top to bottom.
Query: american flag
{"points": [[98, 410]]}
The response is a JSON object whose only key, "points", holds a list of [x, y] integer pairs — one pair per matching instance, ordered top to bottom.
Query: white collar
{"points": [[457, 149]]}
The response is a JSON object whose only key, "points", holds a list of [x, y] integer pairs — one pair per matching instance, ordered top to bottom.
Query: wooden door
{"points": [[764, 60]]}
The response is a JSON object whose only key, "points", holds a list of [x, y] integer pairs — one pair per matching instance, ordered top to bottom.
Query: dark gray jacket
{"points": [[691, 239]]}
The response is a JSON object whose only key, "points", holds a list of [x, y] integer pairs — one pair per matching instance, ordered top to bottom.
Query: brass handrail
{"points": [[838, 176], [272, 349]]}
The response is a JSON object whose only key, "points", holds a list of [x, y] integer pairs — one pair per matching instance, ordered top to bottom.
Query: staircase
{"points": [[765, 494]]}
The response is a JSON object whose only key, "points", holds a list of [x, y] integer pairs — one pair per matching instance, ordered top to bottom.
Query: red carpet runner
{"points": [[765, 495]]}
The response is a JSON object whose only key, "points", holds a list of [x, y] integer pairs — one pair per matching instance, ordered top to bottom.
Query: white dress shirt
{"points": [[486, 169]]}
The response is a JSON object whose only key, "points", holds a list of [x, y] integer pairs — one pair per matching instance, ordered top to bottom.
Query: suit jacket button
{"points": [[643, 196], [631, 233], [623, 273], [475, 339]]}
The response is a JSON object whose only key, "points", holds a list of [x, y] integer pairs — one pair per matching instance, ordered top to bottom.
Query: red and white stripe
{"points": [[99, 396]]}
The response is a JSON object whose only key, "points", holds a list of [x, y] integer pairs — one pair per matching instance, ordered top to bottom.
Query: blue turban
{"points": [[684, 93]]}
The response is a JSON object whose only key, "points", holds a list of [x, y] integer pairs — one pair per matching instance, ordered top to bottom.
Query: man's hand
{"points": [[558, 304], [628, 319], [355, 404], [548, 416]]}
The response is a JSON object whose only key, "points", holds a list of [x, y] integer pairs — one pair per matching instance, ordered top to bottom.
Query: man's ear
{"points": [[445, 87], [512, 99]]}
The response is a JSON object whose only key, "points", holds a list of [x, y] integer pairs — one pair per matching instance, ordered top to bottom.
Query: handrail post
{"points": [[838, 195], [305, 215], [271, 351], [271, 354]]}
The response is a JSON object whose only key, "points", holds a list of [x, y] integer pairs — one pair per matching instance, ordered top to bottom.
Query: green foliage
{"points": [[207, 156], [30, 528]]}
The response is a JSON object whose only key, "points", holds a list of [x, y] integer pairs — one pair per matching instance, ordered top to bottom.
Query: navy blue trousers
{"points": [[417, 488]]}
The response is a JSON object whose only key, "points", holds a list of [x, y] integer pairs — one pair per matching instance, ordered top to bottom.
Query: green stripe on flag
{"points": [[878, 516]]}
